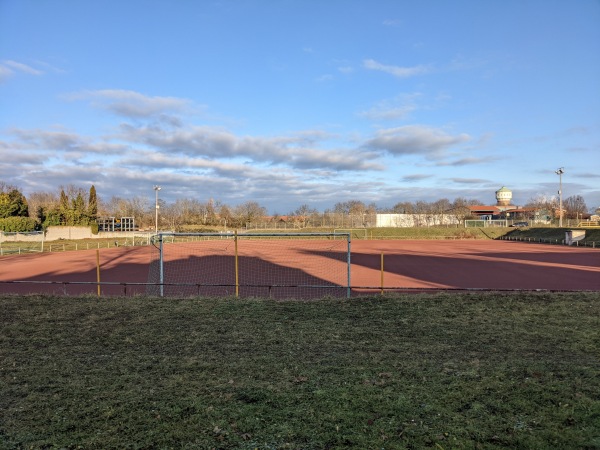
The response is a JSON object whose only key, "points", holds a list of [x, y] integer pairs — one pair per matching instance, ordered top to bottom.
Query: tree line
{"points": [[74, 206]]}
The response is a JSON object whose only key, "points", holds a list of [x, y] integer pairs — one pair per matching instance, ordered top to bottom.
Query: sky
{"points": [[294, 102]]}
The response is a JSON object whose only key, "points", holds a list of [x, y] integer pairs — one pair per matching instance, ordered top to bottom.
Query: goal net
{"points": [[21, 242], [291, 265]]}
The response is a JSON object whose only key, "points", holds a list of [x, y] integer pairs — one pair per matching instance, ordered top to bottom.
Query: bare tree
{"points": [[5, 188], [43, 200], [542, 201], [543, 206], [136, 207], [575, 207], [403, 208], [440, 208], [460, 208], [421, 211], [191, 212], [249, 212], [211, 213], [172, 214], [302, 215], [226, 217]]}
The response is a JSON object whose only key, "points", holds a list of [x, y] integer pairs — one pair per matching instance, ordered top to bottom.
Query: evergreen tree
{"points": [[13, 204], [64, 209], [92, 210], [78, 212]]}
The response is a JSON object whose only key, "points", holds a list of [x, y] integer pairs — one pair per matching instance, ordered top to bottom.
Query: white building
{"points": [[415, 220]]}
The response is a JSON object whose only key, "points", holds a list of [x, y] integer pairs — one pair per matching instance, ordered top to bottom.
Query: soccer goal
{"points": [[21, 242], [276, 265]]}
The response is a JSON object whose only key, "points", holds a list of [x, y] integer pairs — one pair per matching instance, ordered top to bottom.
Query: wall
{"points": [[415, 220], [56, 233]]}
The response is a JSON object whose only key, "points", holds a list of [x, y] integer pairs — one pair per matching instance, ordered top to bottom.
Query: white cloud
{"points": [[392, 22], [20, 67], [49, 67], [9, 68], [397, 71], [5, 73], [324, 78], [132, 104], [396, 108], [382, 112], [416, 140], [61, 141], [292, 151], [9, 158], [468, 161], [183, 163], [416, 177], [469, 180]]}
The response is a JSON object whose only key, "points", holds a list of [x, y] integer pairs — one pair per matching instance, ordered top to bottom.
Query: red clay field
{"points": [[264, 270]]}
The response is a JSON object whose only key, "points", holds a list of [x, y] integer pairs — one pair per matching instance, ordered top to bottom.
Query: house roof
{"points": [[484, 208], [528, 209]]}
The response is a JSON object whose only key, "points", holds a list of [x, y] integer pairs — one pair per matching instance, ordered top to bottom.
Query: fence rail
{"points": [[589, 224], [591, 244], [128, 289]]}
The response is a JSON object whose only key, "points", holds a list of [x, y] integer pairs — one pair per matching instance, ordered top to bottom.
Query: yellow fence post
{"points": [[98, 270], [382, 273]]}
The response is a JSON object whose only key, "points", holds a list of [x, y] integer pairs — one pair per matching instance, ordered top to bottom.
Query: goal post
{"points": [[277, 265]]}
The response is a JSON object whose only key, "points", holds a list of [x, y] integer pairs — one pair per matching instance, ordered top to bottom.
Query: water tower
{"points": [[503, 196]]}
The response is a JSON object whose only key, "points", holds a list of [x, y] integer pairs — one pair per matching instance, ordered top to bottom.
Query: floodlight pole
{"points": [[560, 172], [156, 189]]}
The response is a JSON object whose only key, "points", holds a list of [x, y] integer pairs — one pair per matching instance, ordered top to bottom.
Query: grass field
{"points": [[439, 232], [592, 235], [436, 371]]}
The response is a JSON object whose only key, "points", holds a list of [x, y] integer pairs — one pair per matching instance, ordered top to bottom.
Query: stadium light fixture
{"points": [[560, 172], [156, 189]]}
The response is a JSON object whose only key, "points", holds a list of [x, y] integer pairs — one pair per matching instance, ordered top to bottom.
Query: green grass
{"points": [[454, 232], [554, 234], [63, 245], [439, 371]]}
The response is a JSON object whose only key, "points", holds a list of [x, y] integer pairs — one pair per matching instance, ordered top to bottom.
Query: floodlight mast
{"points": [[560, 172], [156, 189]]}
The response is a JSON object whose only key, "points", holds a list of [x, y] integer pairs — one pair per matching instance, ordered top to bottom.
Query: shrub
{"points": [[13, 224]]}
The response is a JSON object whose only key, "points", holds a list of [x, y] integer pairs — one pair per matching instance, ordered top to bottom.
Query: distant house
{"points": [[484, 212], [284, 221]]}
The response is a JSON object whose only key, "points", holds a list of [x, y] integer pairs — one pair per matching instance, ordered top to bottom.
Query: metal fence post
{"points": [[161, 265], [349, 266]]}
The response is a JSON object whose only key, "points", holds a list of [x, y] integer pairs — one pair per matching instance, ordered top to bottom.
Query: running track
{"points": [[461, 264]]}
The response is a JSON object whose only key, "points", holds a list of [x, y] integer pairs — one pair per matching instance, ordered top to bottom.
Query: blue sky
{"points": [[295, 102]]}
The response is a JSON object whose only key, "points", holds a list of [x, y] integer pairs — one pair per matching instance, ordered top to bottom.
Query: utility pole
{"points": [[560, 172], [156, 189]]}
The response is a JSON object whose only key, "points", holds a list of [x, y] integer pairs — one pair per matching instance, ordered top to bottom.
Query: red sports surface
{"points": [[420, 264]]}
